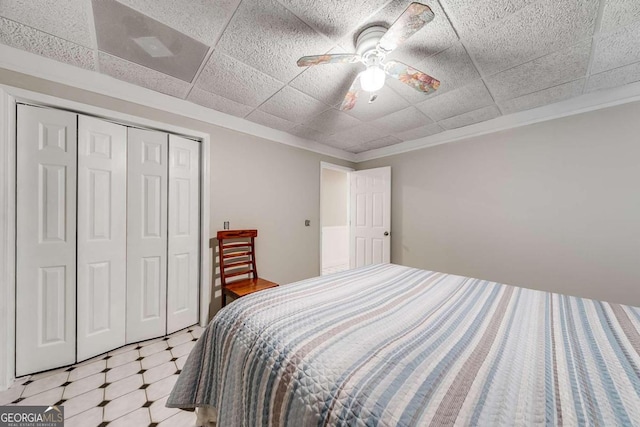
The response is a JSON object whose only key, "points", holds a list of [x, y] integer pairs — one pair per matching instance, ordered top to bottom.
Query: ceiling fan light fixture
{"points": [[372, 79]]}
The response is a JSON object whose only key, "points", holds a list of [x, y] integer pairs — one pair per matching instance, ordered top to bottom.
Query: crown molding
{"points": [[38, 66], [578, 105]]}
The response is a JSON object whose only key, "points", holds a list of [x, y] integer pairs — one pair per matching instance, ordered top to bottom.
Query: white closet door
{"points": [[148, 169], [102, 228], [184, 231], [46, 239]]}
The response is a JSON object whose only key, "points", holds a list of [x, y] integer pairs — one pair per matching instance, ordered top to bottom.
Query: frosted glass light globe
{"points": [[372, 79]]}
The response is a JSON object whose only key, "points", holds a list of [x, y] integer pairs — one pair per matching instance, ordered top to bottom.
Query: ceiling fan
{"points": [[373, 44]]}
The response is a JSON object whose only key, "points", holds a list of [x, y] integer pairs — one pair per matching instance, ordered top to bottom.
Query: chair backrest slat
{"points": [[236, 248]]}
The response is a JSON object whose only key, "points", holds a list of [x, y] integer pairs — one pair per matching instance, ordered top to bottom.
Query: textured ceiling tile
{"points": [[618, 13], [471, 16], [333, 18], [67, 19], [201, 19], [120, 29], [534, 31], [265, 35], [434, 37], [26, 38], [618, 48], [453, 67], [551, 70], [142, 76], [613, 78], [234, 80], [327, 82], [543, 97], [387, 102], [455, 102], [218, 103], [293, 105], [477, 116], [268, 120], [402, 120], [332, 121], [306, 132], [420, 132], [357, 135], [372, 145]]}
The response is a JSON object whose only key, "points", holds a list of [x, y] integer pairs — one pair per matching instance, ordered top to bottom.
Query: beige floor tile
{"points": [[153, 348], [183, 349], [156, 360], [87, 370], [123, 371], [159, 372], [46, 383], [84, 385], [122, 387], [161, 388], [48, 397], [83, 402], [124, 405], [159, 412], [139, 417], [89, 418], [181, 419]]}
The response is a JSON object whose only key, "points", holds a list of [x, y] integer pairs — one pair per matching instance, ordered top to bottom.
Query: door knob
{"points": [[386, 233]]}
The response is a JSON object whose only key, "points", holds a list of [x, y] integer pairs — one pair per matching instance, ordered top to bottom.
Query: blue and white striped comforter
{"points": [[395, 346]]}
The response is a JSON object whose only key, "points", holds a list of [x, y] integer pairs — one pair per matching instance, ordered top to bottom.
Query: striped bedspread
{"points": [[389, 345]]}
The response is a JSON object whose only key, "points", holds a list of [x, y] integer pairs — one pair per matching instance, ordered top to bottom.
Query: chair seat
{"points": [[243, 287]]}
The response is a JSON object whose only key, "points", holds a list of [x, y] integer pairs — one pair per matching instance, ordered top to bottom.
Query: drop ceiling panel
{"points": [[618, 13], [470, 16], [191, 17], [333, 18], [66, 19], [118, 27], [534, 31], [267, 36], [26, 38], [617, 48], [551, 70], [141, 76], [230, 78], [613, 78], [543, 97], [217, 102], [387, 102], [455, 102], [293, 105], [476, 116], [402, 120], [271, 121], [332, 121], [306, 132], [419, 132], [355, 136], [372, 145]]}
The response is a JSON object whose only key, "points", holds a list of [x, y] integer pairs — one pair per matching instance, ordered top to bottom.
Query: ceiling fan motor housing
{"points": [[367, 42]]}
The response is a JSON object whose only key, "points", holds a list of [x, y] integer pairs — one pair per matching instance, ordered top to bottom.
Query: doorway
{"points": [[334, 218]]}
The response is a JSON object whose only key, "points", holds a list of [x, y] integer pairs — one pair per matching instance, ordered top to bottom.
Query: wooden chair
{"points": [[236, 253]]}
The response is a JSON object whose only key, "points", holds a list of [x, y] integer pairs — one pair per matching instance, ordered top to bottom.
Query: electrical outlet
{"points": [[307, 222], [226, 225]]}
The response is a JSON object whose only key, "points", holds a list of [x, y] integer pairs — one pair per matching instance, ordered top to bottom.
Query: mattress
{"points": [[389, 345]]}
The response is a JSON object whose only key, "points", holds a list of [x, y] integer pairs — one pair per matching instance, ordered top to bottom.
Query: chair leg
{"points": [[224, 300]]}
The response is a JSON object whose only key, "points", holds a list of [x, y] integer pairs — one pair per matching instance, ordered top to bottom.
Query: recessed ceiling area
{"points": [[492, 58]]}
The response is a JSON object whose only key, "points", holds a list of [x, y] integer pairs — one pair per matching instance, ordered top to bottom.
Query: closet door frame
{"points": [[9, 98]]}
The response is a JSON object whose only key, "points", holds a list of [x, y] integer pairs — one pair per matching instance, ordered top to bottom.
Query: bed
{"points": [[389, 345]]}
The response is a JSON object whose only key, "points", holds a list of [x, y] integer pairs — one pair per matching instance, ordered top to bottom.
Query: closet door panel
{"points": [[148, 168], [102, 201], [184, 233], [46, 239]]}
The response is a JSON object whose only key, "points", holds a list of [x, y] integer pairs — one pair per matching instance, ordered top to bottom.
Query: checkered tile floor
{"points": [[125, 387]]}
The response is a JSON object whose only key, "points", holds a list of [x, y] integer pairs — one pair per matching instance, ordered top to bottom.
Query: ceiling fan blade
{"points": [[411, 20], [335, 58], [410, 76], [352, 95]]}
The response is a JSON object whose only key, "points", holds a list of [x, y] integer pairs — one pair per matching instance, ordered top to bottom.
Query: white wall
{"points": [[254, 183], [552, 206]]}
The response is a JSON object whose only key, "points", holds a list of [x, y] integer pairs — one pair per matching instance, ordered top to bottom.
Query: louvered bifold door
{"points": [[148, 166], [102, 228], [184, 233], [46, 239]]}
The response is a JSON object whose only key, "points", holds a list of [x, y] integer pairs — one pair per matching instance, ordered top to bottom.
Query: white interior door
{"points": [[148, 168], [370, 217], [184, 230], [102, 233], [46, 239]]}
